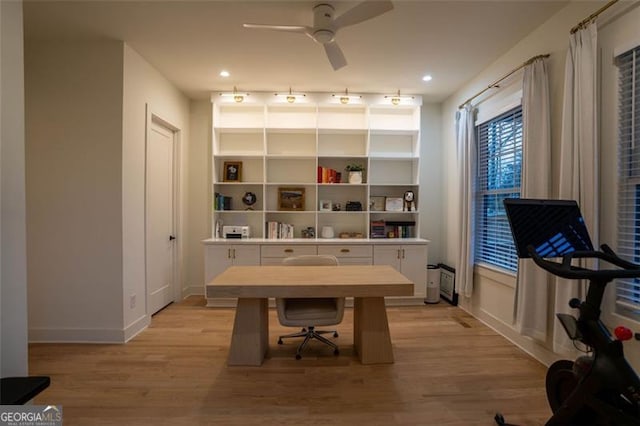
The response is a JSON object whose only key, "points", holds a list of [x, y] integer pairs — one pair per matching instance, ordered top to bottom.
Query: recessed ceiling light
{"points": [[224, 73], [427, 78]]}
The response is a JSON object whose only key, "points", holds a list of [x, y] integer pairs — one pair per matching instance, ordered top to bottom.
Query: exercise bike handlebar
{"points": [[565, 269]]}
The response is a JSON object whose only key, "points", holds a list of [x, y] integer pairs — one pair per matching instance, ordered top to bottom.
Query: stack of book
{"points": [[327, 175], [221, 202], [377, 229], [401, 229], [278, 230]]}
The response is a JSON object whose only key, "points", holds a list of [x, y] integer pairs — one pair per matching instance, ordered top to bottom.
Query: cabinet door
{"points": [[246, 255], [387, 255], [216, 260], [414, 267]]}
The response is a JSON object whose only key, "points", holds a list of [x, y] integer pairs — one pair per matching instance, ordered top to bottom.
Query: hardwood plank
{"points": [[175, 373]]}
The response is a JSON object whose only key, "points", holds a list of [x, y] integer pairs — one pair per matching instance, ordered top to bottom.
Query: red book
{"points": [[319, 174]]}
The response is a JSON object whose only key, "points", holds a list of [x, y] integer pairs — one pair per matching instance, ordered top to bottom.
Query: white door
{"points": [[160, 224], [414, 267]]}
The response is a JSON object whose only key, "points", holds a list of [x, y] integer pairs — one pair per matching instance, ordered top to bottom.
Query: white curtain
{"points": [[466, 146], [578, 155], [531, 307]]}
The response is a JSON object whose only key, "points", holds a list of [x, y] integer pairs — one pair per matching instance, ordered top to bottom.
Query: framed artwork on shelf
{"points": [[232, 171], [291, 199], [377, 204], [393, 204], [326, 205]]}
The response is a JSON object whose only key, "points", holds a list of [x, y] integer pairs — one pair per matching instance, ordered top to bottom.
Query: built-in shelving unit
{"points": [[282, 145]]}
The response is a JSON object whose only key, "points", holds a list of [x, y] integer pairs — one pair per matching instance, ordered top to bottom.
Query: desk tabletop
{"points": [[310, 281]]}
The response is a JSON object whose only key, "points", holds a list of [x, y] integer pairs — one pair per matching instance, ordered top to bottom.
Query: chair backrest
{"points": [[311, 260], [336, 303]]}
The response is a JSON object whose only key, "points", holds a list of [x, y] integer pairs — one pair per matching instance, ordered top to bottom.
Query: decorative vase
{"points": [[355, 177], [327, 232]]}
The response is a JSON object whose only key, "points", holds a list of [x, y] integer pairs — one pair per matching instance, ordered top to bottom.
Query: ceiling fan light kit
{"points": [[326, 26]]}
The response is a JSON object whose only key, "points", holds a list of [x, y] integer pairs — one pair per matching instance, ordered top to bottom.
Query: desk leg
{"points": [[371, 336], [250, 338]]}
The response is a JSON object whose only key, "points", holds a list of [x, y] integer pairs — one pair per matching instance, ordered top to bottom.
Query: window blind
{"points": [[499, 143], [628, 290]]}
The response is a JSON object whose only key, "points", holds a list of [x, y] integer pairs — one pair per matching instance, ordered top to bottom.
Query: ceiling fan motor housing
{"points": [[323, 23]]}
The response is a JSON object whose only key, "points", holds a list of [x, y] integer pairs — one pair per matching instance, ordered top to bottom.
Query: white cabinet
{"points": [[304, 146], [349, 254], [220, 257], [411, 260]]}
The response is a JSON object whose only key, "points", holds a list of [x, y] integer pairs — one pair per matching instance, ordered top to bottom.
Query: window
{"points": [[499, 169], [628, 290]]}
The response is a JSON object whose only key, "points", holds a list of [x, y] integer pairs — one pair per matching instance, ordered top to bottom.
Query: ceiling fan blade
{"points": [[362, 12], [288, 28], [334, 53]]}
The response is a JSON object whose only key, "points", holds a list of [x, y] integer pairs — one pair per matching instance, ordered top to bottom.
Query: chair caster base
{"points": [[335, 334], [279, 341], [336, 352], [298, 356]]}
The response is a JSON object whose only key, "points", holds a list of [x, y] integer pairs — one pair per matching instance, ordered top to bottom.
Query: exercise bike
{"points": [[599, 388]]}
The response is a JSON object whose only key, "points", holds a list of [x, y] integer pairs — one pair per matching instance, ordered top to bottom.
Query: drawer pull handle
{"points": [[288, 250], [345, 251]]}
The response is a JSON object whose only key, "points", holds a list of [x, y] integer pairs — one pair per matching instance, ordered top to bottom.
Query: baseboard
{"points": [[192, 291], [136, 327], [76, 335], [542, 354]]}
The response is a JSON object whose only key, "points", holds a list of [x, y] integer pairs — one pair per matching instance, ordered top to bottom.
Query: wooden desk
{"points": [[253, 285]]}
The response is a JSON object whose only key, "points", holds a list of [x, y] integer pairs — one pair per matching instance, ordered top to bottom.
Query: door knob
{"points": [[171, 237]]}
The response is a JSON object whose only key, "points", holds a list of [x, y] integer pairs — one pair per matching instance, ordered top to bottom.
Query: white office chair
{"points": [[310, 312]]}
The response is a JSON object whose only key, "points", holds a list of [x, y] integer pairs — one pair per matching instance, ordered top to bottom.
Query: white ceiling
{"points": [[190, 42]]}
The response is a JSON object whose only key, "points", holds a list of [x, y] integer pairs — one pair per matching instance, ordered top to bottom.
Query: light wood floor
{"points": [[449, 370]]}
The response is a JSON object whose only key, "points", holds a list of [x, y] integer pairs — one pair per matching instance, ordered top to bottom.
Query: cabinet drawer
{"points": [[287, 250], [347, 250]]}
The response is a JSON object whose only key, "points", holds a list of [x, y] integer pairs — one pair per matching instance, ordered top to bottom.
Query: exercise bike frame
{"points": [[605, 377]]}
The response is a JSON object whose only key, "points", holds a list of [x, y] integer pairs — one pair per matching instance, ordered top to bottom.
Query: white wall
{"points": [[145, 89], [73, 94], [87, 106], [431, 180], [199, 196], [13, 279], [494, 293]]}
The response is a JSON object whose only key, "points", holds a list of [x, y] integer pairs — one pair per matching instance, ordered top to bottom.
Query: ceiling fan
{"points": [[325, 26]]}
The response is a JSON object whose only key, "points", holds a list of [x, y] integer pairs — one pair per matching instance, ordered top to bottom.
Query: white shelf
{"points": [[282, 145]]}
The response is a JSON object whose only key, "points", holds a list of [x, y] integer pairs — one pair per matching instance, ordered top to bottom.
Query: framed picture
{"points": [[232, 171], [291, 199], [377, 204], [393, 204], [326, 205], [448, 284]]}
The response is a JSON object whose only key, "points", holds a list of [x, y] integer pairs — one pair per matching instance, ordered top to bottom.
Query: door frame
{"points": [[153, 118]]}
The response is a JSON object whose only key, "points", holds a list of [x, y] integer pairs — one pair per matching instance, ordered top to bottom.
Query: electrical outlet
{"points": [[132, 301]]}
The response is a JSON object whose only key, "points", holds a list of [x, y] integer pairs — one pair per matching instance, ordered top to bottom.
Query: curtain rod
{"points": [[593, 16], [495, 84]]}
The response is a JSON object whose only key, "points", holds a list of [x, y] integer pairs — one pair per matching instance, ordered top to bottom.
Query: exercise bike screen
{"points": [[553, 227]]}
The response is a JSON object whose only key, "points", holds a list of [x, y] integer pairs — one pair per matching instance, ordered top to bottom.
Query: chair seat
{"points": [[311, 310]]}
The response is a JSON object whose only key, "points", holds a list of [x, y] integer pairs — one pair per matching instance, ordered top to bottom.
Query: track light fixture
{"points": [[237, 96], [291, 97], [346, 97], [397, 98]]}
